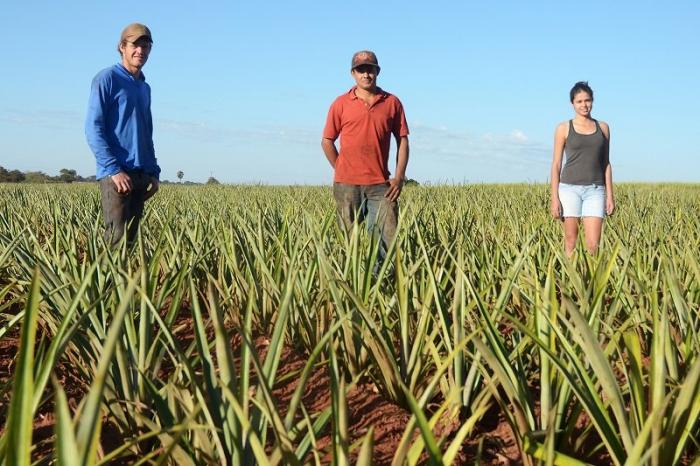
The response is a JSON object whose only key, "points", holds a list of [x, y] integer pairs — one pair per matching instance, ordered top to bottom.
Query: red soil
{"points": [[366, 408]]}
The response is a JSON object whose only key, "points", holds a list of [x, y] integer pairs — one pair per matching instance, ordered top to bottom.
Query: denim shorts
{"points": [[582, 200]]}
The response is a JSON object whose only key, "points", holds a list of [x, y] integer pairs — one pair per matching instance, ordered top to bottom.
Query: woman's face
{"points": [[583, 103]]}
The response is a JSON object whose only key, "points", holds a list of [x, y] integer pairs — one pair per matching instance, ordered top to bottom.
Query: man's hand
{"points": [[329, 149], [123, 183], [152, 189], [394, 191]]}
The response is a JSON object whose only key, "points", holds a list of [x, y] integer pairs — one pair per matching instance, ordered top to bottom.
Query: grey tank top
{"points": [[586, 157]]}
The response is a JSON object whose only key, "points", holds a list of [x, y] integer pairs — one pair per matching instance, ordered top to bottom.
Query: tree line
{"points": [[65, 175]]}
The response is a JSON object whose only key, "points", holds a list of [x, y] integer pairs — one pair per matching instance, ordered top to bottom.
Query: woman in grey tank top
{"points": [[582, 189]]}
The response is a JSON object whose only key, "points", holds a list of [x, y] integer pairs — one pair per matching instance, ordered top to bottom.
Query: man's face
{"points": [[135, 54], [365, 76]]}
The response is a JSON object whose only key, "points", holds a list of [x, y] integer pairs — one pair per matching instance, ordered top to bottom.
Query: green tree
{"points": [[180, 175], [11, 176], [15, 176], [67, 176], [37, 177], [212, 180]]}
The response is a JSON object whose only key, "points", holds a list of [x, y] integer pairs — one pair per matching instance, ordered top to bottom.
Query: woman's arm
{"points": [[559, 141], [609, 196]]}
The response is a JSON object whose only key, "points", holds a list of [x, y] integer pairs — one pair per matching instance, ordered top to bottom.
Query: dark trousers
{"points": [[358, 203], [123, 211]]}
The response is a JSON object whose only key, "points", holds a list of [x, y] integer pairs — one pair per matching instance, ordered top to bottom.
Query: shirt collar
{"points": [[124, 71], [380, 92]]}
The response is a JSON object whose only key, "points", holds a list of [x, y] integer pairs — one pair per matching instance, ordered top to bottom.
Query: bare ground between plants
{"points": [[491, 444]]}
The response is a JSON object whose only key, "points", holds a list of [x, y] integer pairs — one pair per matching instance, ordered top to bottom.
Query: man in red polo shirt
{"points": [[365, 118]]}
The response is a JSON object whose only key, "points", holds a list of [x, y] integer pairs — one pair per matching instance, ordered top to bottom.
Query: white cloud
{"points": [[53, 119], [273, 134], [518, 135], [489, 147], [289, 154], [444, 155]]}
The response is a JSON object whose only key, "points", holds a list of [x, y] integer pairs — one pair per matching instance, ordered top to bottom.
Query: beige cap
{"points": [[134, 32]]}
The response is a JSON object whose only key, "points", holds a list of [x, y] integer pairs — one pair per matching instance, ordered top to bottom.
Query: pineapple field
{"points": [[245, 327]]}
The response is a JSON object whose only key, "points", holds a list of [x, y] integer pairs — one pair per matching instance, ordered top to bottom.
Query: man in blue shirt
{"points": [[119, 130]]}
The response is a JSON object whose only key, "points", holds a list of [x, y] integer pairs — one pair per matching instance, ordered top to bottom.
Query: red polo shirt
{"points": [[365, 136]]}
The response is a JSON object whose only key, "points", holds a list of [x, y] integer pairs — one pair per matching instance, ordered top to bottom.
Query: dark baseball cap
{"points": [[364, 57]]}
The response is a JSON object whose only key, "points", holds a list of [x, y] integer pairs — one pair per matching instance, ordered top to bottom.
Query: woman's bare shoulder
{"points": [[562, 129]]}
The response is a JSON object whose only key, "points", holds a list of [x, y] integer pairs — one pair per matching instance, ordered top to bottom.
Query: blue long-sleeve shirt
{"points": [[119, 125]]}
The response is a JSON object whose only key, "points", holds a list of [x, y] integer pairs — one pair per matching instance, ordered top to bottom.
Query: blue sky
{"points": [[241, 89]]}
